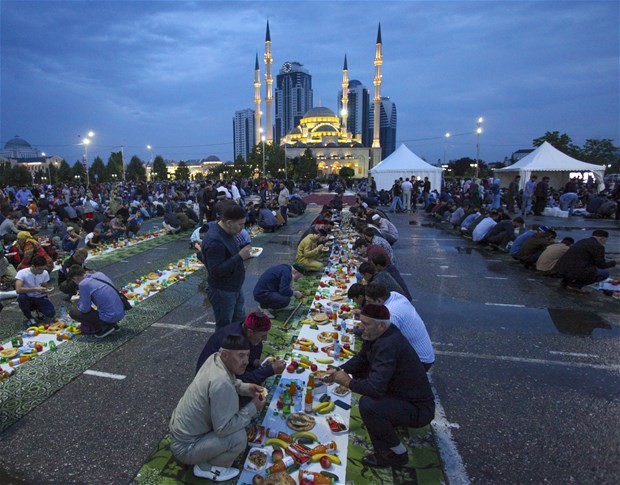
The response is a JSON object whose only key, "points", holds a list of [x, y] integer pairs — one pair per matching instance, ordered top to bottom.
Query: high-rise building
{"points": [[293, 97], [358, 110], [387, 126], [244, 134]]}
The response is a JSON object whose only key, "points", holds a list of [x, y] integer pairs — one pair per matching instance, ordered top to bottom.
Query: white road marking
{"points": [[436, 239], [162, 248], [283, 253], [436, 258], [494, 260], [124, 261], [444, 267], [447, 276], [495, 278], [505, 304], [184, 327], [442, 343], [572, 354], [612, 367], [97, 373], [453, 466]]}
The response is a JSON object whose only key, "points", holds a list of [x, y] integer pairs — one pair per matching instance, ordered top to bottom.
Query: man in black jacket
{"points": [[584, 262], [395, 390]]}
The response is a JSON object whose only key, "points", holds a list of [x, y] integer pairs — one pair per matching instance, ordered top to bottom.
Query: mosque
{"points": [[320, 129], [18, 151]]}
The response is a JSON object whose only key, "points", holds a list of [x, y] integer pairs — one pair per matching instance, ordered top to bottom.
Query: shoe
{"points": [[265, 312], [30, 323], [104, 332], [385, 459], [217, 473]]}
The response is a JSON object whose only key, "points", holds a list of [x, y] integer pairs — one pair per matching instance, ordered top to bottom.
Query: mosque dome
{"points": [[319, 112], [17, 143], [213, 158]]}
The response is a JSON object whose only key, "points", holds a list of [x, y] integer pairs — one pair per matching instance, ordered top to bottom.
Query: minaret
{"points": [[269, 88], [345, 98], [257, 113], [376, 143]]}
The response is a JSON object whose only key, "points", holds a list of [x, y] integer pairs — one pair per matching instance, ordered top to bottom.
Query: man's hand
{"points": [[197, 246], [245, 252], [298, 294], [278, 366], [330, 377], [342, 378], [257, 397]]}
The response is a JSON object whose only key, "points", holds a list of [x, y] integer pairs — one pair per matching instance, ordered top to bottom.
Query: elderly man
{"points": [[386, 228], [375, 240], [224, 261], [584, 262], [274, 289], [97, 290], [404, 316], [255, 330], [395, 390], [208, 426]]}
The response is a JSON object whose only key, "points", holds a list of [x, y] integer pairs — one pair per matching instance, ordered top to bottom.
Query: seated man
{"points": [[266, 219], [484, 226], [387, 229], [503, 232], [370, 236], [93, 239], [70, 241], [534, 246], [309, 253], [549, 258], [584, 262], [381, 263], [371, 275], [65, 285], [31, 287], [274, 288], [96, 289], [404, 316], [255, 330], [395, 390], [208, 426]]}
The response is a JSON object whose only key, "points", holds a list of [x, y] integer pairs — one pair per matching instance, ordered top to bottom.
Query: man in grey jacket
{"points": [[207, 426]]}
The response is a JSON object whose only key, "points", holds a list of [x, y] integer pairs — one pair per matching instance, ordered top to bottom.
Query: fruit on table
{"points": [[324, 360], [314, 367], [325, 408], [304, 434], [277, 442], [277, 455], [325, 462], [257, 480]]}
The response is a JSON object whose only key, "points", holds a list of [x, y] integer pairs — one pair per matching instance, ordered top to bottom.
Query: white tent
{"points": [[547, 161], [404, 163]]}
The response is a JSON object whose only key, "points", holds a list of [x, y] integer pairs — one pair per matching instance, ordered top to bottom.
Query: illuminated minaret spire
{"points": [[269, 88], [345, 97], [257, 100], [376, 143]]}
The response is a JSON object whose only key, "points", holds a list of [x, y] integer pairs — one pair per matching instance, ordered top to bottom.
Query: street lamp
{"points": [[478, 131], [263, 140], [86, 141], [445, 147], [150, 149]]}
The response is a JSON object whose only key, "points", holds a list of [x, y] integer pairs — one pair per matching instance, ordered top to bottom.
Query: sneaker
{"points": [[265, 312], [104, 332], [385, 459], [217, 473]]}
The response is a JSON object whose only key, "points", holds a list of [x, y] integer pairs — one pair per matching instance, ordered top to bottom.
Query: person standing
{"points": [[407, 188], [426, 190], [513, 192], [528, 194], [541, 195], [22, 196], [209, 200], [283, 201], [397, 202], [224, 261], [31, 287], [96, 290], [395, 390], [208, 425]]}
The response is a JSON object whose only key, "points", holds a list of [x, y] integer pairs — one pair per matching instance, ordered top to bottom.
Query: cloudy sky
{"points": [[171, 73]]}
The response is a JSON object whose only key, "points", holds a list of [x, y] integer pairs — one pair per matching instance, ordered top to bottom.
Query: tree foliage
{"points": [[562, 142], [600, 151], [115, 166], [462, 166], [160, 169], [135, 170], [98, 171], [182, 172], [346, 172], [65, 174], [78, 174], [15, 175]]}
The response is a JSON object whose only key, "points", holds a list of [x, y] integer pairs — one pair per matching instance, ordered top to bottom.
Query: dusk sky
{"points": [[172, 74]]}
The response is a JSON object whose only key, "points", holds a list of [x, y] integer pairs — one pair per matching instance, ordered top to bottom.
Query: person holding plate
{"points": [[31, 287]]}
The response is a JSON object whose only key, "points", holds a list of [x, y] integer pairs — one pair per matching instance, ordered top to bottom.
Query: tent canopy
{"points": [[547, 161], [404, 163]]}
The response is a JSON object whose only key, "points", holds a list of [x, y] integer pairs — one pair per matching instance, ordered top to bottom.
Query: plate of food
{"points": [[256, 252], [152, 276], [320, 318], [325, 337], [8, 353], [319, 375], [340, 390], [300, 422], [336, 423], [256, 435], [256, 460], [279, 478]]}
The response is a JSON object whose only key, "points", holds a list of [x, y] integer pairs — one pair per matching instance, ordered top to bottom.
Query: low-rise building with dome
{"points": [[18, 151], [198, 166]]}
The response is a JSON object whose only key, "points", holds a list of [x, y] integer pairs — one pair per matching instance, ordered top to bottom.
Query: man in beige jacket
{"points": [[207, 426]]}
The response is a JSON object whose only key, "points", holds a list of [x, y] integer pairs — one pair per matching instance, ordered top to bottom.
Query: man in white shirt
{"points": [[407, 187], [485, 225], [31, 287], [404, 316]]}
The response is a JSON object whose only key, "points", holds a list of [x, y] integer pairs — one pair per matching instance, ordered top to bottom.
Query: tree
{"points": [[562, 142], [601, 152], [274, 155], [307, 166], [462, 166], [114, 168], [160, 169], [135, 170], [98, 171], [182, 172], [346, 172], [65, 174], [78, 174], [20, 175]]}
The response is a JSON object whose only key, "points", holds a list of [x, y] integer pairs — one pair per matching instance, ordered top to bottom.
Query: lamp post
{"points": [[478, 131], [263, 140], [86, 141], [445, 147]]}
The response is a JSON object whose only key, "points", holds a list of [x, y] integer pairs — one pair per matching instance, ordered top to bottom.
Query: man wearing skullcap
{"points": [[274, 288], [255, 330], [395, 390], [208, 425]]}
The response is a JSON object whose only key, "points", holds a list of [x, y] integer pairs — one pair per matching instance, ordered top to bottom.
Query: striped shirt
{"points": [[404, 316]]}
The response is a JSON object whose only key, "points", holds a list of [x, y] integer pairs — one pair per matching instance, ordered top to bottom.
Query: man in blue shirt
{"points": [[22, 196], [274, 288], [98, 290]]}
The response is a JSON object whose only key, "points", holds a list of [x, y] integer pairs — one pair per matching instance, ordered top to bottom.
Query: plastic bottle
{"points": [[63, 313], [343, 326], [30, 333], [52, 345], [337, 349], [18, 360], [311, 381], [293, 388], [308, 400], [286, 408], [273, 433], [323, 448], [280, 466], [314, 477]]}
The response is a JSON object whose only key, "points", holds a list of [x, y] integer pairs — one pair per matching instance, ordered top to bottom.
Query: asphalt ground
{"points": [[527, 375]]}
